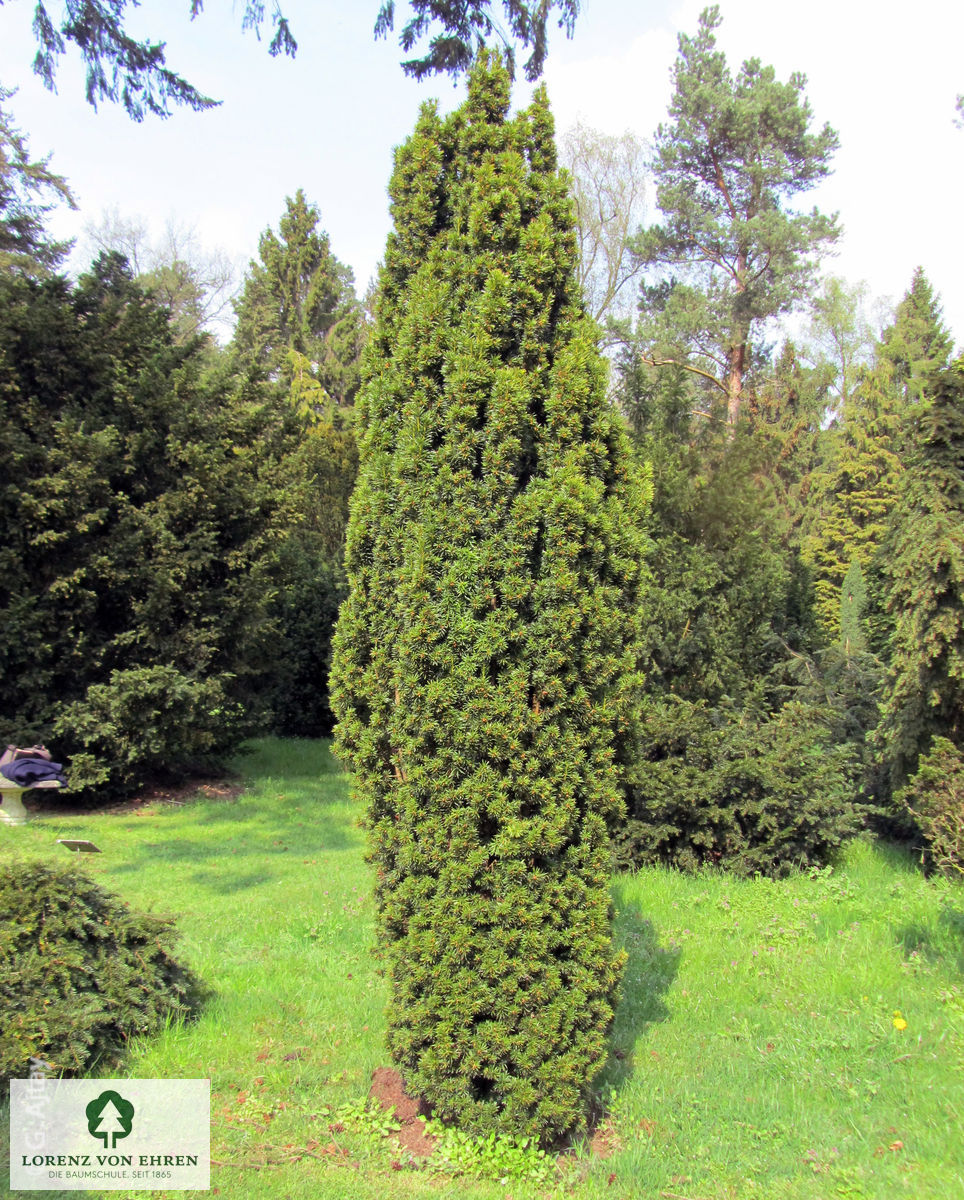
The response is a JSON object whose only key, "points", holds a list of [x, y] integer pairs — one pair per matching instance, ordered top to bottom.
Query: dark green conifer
{"points": [[298, 317], [300, 324], [917, 345], [854, 492], [137, 543], [923, 564], [853, 604], [485, 669]]}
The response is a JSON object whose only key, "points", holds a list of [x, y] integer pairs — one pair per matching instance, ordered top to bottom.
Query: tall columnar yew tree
{"points": [[485, 662]]}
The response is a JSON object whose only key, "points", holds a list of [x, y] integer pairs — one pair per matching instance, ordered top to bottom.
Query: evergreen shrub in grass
{"points": [[485, 664], [141, 719], [750, 793], [935, 799], [79, 972]]}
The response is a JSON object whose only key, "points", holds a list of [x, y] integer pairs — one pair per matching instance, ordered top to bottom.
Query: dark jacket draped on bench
{"points": [[27, 772]]}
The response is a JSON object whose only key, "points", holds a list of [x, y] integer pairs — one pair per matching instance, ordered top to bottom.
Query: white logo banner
{"points": [[100, 1134]]}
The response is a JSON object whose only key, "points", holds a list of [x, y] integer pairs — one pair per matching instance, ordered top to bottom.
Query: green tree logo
{"points": [[110, 1117]]}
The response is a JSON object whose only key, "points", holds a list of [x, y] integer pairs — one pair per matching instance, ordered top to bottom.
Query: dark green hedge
{"points": [[143, 498], [749, 792]]}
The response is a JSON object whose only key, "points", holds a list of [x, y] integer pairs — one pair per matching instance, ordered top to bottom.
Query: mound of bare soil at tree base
{"points": [[389, 1091], [410, 1112]]}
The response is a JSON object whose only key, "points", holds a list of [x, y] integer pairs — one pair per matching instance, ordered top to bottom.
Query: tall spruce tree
{"points": [[298, 316], [300, 323], [917, 344], [854, 490], [924, 573], [485, 663]]}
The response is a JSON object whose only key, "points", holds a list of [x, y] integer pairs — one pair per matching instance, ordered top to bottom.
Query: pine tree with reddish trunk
{"points": [[729, 251]]}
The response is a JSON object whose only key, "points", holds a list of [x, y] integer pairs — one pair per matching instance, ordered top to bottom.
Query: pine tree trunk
{"points": [[734, 384]]}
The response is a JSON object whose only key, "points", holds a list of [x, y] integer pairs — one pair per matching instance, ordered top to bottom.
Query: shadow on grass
{"points": [[295, 760], [309, 800], [251, 839], [236, 863], [224, 885], [941, 943], [648, 975]]}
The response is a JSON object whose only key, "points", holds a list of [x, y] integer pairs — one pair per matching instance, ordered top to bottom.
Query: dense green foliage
{"points": [[298, 318], [301, 326], [916, 344], [864, 458], [853, 490], [791, 499], [141, 506], [173, 515], [309, 578], [924, 580], [721, 590], [853, 607], [485, 659], [741, 762], [754, 794], [935, 799], [80, 973]]}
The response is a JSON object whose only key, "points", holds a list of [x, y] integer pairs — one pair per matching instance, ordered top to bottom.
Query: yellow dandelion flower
{"points": [[900, 1023]]}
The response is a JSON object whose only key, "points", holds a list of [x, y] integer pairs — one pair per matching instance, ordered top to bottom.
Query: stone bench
{"points": [[12, 811]]}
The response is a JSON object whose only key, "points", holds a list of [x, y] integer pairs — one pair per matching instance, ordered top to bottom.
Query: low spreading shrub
{"points": [[146, 722], [752, 793], [935, 799], [80, 973]]}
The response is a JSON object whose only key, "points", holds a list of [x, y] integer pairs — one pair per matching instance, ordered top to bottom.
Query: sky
{"points": [[884, 75]]}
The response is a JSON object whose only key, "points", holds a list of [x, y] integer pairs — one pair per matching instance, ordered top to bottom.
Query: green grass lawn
{"points": [[755, 1053]]}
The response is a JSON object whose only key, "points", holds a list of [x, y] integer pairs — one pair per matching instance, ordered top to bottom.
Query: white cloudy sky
{"points": [[885, 75]]}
